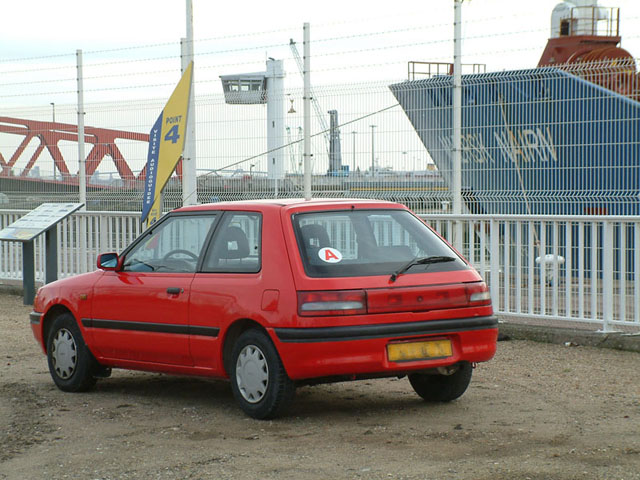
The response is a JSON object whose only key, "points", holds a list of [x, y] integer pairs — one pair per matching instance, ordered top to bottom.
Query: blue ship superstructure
{"points": [[538, 141]]}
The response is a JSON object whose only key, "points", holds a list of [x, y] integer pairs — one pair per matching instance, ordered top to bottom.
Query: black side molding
{"points": [[151, 327], [364, 332]]}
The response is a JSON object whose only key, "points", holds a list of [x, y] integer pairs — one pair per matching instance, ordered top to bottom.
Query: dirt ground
{"points": [[537, 411]]}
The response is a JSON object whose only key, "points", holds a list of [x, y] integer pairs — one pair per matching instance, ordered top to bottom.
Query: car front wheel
{"points": [[71, 364], [259, 381], [442, 387]]}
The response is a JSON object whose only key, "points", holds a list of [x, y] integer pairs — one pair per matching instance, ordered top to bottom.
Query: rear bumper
{"points": [[364, 332], [362, 349]]}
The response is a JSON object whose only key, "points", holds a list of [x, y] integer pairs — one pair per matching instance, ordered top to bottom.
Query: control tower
{"points": [[263, 87]]}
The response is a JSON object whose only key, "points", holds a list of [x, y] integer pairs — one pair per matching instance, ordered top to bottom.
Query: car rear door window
{"points": [[236, 245]]}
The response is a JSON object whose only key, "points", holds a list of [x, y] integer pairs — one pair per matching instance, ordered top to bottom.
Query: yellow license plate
{"points": [[404, 352]]}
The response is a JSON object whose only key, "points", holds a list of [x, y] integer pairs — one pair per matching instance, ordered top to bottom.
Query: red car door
{"points": [[141, 312]]}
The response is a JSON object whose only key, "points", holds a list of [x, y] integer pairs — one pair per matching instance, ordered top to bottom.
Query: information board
{"points": [[37, 221]]}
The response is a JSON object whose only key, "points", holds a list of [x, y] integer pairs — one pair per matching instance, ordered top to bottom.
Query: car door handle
{"points": [[174, 290]]}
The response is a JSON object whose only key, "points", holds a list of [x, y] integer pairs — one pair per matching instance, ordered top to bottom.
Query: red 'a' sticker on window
{"points": [[330, 255]]}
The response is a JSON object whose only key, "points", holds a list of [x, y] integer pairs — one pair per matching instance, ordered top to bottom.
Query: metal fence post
{"points": [[307, 111], [457, 123], [189, 157], [82, 164], [104, 239], [607, 276], [494, 285]]}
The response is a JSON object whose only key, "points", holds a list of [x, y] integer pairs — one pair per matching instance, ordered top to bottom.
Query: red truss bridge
{"points": [[49, 134]]}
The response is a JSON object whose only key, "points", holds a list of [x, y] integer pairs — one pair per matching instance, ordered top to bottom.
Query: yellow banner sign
{"points": [[166, 144]]}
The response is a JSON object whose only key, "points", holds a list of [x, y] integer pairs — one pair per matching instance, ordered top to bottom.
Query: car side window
{"points": [[237, 244], [173, 246]]}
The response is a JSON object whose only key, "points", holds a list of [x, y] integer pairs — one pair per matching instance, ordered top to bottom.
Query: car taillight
{"points": [[479, 294], [332, 302]]}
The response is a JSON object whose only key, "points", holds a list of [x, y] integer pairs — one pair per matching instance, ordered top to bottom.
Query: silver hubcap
{"points": [[64, 353], [252, 374]]}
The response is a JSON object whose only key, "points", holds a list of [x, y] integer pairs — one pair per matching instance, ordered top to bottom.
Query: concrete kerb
{"points": [[13, 288], [570, 337]]}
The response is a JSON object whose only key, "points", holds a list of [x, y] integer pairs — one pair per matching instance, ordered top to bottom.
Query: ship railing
{"points": [[593, 21], [419, 70], [572, 271]]}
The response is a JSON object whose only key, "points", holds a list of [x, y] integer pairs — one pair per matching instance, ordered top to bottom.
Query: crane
{"points": [[314, 101]]}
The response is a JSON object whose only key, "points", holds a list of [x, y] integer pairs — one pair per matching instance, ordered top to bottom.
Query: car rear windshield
{"points": [[355, 243]]}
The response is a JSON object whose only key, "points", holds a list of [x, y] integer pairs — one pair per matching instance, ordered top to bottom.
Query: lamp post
{"points": [[373, 150]]}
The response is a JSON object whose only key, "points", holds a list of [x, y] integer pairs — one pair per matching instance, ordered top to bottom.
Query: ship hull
{"points": [[539, 141]]}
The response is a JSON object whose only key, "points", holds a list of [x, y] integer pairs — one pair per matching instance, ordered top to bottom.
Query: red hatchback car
{"points": [[272, 295]]}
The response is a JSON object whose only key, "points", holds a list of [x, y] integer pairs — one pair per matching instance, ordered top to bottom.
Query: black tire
{"points": [[71, 364], [259, 381], [442, 388]]}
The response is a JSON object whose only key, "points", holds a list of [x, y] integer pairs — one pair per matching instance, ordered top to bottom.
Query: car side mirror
{"points": [[107, 261]]}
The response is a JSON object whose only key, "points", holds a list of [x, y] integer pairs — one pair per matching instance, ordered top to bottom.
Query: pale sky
{"points": [[44, 27], [352, 41]]}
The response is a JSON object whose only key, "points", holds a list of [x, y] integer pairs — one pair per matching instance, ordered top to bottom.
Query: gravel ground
{"points": [[537, 411]]}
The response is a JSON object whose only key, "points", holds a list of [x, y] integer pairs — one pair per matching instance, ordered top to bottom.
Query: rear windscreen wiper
{"points": [[420, 261]]}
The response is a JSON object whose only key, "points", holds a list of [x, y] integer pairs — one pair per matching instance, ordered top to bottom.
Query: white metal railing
{"points": [[81, 237], [578, 269], [560, 270]]}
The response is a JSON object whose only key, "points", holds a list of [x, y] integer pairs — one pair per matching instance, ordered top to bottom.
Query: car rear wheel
{"points": [[71, 364], [259, 381], [442, 388]]}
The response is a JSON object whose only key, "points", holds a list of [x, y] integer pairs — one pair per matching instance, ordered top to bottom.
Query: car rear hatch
{"points": [[378, 265]]}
